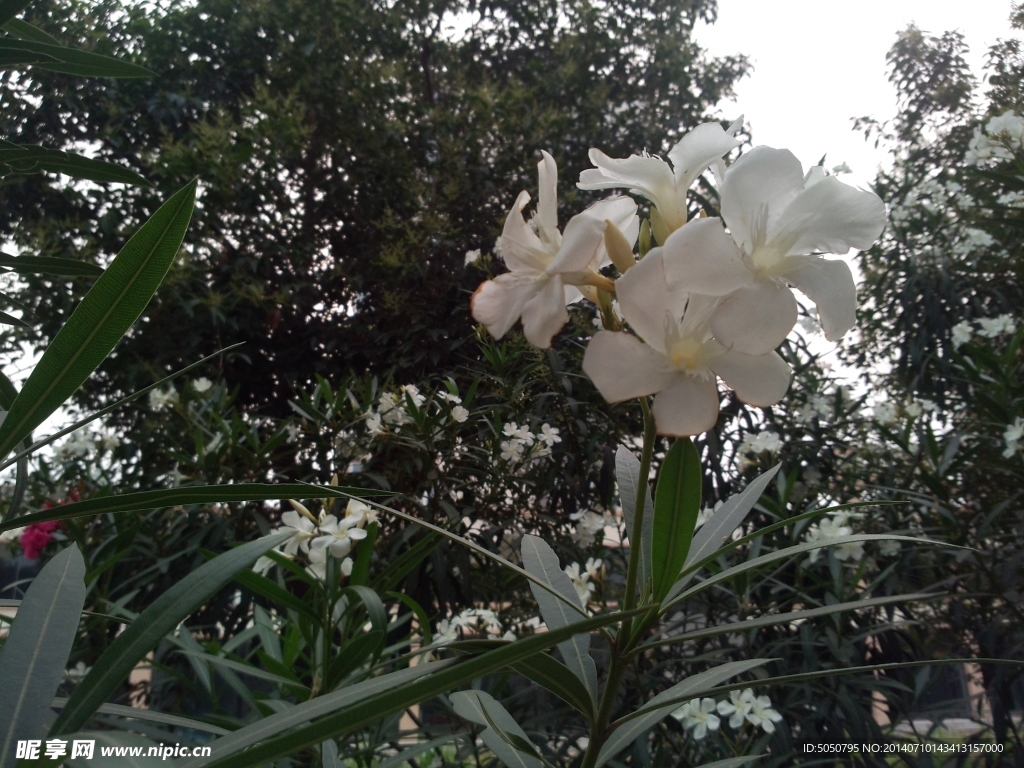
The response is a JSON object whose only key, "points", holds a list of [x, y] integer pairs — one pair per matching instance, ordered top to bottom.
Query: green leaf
{"points": [[11, 8], [24, 31], [12, 57], [74, 62], [30, 158], [49, 265], [114, 303], [7, 319], [108, 409], [627, 475], [173, 497], [676, 506], [722, 523], [797, 549], [540, 561], [271, 590], [736, 627], [146, 632], [37, 649], [352, 655], [247, 669], [557, 678], [352, 708], [150, 716], [626, 730], [502, 734], [403, 758]]}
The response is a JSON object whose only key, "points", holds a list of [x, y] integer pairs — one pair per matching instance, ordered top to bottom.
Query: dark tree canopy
{"points": [[349, 152]]}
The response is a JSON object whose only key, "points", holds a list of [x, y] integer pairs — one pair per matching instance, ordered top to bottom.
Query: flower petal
{"points": [[697, 150], [642, 174], [756, 190], [547, 199], [832, 217], [582, 243], [519, 245], [701, 258], [829, 284], [646, 300], [498, 303], [544, 313], [756, 319], [623, 367], [760, 380], [687, 406]]}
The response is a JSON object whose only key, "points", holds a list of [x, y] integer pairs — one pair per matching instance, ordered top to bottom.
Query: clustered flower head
{"points": [[1003, 135], [713, 299], [986, 327], [391, 412], [1012, 437], [521, 443], [589, 524], [832, 528], [316, 537], [581, 577], [473, 621], [742, 707]]}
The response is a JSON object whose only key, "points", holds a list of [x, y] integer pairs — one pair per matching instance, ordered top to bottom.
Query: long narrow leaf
{"points": [[11, 8], [24, 31], [81, 63], [33, 158], [49, 265], [110, 308], [112, 407], [627, 475], [173, 497], [676, 506], [722, 524], [797, 549], [542, 562], [784, 618], [146, 632], [37, 648], [363, 710], [150, 716], [626, 730], [502, 734]]}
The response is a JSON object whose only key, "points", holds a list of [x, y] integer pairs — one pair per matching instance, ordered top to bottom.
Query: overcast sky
{"points": [[819, 63]]}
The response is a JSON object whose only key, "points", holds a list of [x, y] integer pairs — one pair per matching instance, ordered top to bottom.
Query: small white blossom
{"points": [[472, 257], [991, 327], [962, 333], [202, 384], [161, 398], [884, 413], [460, 414], [549, 435], [1012, 436], [762, 441], [512, 450], [588, 525], [737, 707], [761, 714], [699, 715]]}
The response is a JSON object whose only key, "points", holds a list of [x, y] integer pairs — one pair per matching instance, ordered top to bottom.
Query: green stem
{"points": [[635, 545], [621, 648]]}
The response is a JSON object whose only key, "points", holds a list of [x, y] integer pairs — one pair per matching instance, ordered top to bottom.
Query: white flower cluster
{"points": [[1002, 137], [971, 240], [713, 300], [986, 327], [162, 398], [817, 407], [391, 411], [1012, 437], [764, 440], [522, 443], [82, 444], [589, 524], [834, 527], [318, 537], [581, 577], [477, 621], [742, 707]]}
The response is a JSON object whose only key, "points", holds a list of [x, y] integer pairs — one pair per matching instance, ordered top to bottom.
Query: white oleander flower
{"points": [[663, 184], [780, 219], [548, 267], [991, 327], [962, 333], [678, 359], [202, 384], [161, 398], [459, 414], [1012, 436], [761, 442], [739, 704], [762, 715], [699, 716]]}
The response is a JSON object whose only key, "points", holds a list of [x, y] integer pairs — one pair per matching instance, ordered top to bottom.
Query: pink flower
{"points": [[35, 538]]}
